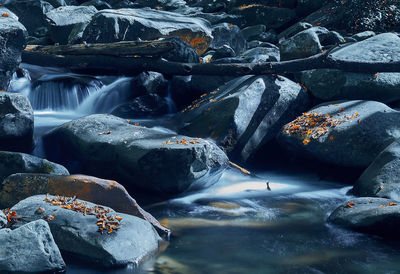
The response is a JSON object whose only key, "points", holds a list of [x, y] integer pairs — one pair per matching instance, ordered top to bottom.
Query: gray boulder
{"points": [[98, 4], [160, 4], [31, 13], [61, 21], [147, 24], [294, 29], [253, 32], [228, 34], [12, 42], [307, 43], [329, 84], [244, 114], [16, 122], [350, 133], [138, 157], [15, 162], [381, 178], [370, 215], [78, 234], [29, 249]]}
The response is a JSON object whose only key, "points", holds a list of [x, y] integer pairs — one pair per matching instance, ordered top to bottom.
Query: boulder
{"points": [[31, 13], [358, 15], [61, 21], [147, 24], [228, 34], [12, 42], [307, 43], [327, 84], [244, 114], [16, 122], [343, 133], [138, 157], [15, 162], [380, 179], [19, 186], [369, 215], [76, 233], [29, 249]]}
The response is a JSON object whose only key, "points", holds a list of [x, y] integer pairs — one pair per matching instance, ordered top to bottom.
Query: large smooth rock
{"points": [[31, 13], [63, 20], [147, 24], [12, 42], [329, 84], [246, 113], [16, 122], [363, 130], [138, 157], [15, 162], [381, 178], [19, 186], [370, 215], [78, 234], [29, 249]]}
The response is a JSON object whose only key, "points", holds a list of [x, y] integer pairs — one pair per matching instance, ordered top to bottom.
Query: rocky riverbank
{"points": [[162, 135]]}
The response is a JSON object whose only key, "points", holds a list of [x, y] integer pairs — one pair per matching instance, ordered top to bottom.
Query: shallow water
{"points": [[238, 225]]}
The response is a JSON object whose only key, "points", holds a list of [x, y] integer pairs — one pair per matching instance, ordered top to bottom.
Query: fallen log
{"points": [[100, 59]]}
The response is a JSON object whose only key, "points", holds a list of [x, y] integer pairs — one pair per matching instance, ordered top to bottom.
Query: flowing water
{"points": [[235, 226]]}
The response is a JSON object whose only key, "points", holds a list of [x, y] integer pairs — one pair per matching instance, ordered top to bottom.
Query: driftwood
{"points": [[131, 58]]}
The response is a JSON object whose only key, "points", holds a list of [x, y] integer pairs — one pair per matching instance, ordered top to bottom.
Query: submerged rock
{"points": [[147, 24], [12, 42], [327, 84], [246, 113], [16, 122], [350, 133], [136, 156], [15, 162], [381, 178], [17, 187], [370, 215], [133, 241], [29, 249]]}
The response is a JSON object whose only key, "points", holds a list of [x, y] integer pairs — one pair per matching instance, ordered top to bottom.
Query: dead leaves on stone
{"points": [[314, 125], [105, 222]]}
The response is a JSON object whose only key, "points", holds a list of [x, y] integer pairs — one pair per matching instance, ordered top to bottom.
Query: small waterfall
{"points": [[62, 92], [108, 97], [170, 102]]}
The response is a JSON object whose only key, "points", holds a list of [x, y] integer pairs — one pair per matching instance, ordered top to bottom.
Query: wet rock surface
{"points": [[111, 147], [74, 232], [29, 249]]}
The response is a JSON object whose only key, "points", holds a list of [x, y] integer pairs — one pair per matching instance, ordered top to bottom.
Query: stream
{"points": [[235, 226]]}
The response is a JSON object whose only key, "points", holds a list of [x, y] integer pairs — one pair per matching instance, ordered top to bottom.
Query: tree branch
{"points": [[131, 58]]}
